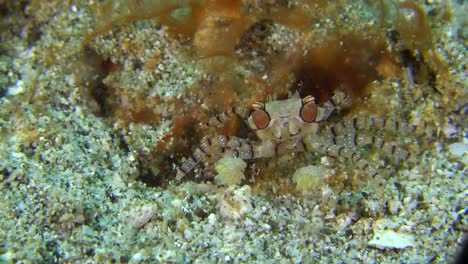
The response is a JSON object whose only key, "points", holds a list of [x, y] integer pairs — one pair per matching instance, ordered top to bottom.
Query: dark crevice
{"points": [[343, 62], [420, 71], [91, 79], [100, 93], [151, 179]]}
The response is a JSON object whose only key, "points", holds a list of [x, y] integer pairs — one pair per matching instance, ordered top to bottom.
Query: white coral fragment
{"points": [[459, 150], [235, 202], [139, 217], [384, 239]]}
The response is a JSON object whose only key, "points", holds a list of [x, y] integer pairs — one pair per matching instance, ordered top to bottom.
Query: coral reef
{"points": [[101, 100]]}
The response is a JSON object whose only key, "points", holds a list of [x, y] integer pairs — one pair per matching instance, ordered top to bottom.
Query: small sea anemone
{"points": [[230, 171], [309, 178]]}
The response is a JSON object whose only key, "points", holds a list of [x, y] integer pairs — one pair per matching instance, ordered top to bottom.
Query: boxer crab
{"points": [[282, 126], [293, 126]]}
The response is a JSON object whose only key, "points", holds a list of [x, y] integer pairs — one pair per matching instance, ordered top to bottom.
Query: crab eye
{"points": [[308, 112], [260, 118]]}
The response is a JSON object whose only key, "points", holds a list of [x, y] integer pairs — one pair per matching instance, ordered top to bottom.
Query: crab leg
{"points": [[339, 101], [220, 119], [347, 134], [339, 141], [213, 148], [335, 151]]}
